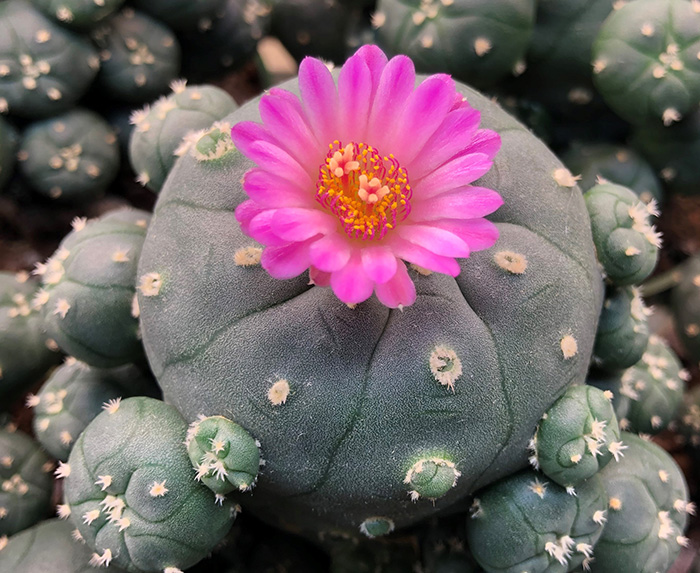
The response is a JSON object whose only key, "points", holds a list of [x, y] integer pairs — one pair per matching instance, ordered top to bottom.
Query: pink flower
{"points": [[353, 180]]}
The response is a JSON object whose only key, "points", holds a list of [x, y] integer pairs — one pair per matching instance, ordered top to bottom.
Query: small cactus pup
{"points": [[181, 14], [80, 15], [479, 42], [140, 57], [645, 60], [44, 68], [159, 128], [8, 148], [71, 157], [604, 162], [627, 244], [89, 283], [685, 303], [623, 330], [25, 352], [373, 352], [73, 395], [647, 396], [577, 437], [225, 456], [26, 481], [130, 492], [647, 511], [527, 523]]}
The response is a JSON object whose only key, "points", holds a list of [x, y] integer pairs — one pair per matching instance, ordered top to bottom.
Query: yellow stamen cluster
{"points": [[367, 192]]}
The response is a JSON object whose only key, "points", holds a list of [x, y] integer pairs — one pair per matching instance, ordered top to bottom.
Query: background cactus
{"points": [[78, 14], [181, 14], [8, 147], [72, 157], [89, 289], [685, 302], [25, 482], [145, 512]]}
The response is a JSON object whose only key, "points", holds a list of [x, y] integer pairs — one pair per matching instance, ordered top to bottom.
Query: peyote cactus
{"points": [[78, 14], [181, 14], [479, 42], [140, 57], [645, 60], [44, 69], [160, 128], [8, 147], [72, 157], [627, 245], [89, 284], [685, 302], [623, 332], [223, 338], [25, 352], [73, 395], [577, 437], [25, 477], [130, 491], [647, 511], [526, 523], [49, 545]]}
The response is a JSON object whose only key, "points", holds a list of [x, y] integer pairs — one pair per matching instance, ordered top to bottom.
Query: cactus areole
{"points": [[387, 375]]}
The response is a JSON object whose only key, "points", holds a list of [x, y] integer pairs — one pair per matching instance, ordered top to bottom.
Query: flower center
{"points": [[367, 192]]}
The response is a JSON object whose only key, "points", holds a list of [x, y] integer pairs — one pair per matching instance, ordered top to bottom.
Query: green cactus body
{"points": [[78, 14], [181, 14], [479, 42], [228, 43], [140, 57], [645, 60], [44, 69], [157, 138], [8, 147], [674, 152], [72, 157], [616, 164], [627, 245], [89, 289], [685, 302], [623, 332], [24, 353], [316, 381], [71, 398], [688, 419], [577, 437], [226, 457], [26, 480], [130, 491], [647, 513], [526, 523], [48, 546]]}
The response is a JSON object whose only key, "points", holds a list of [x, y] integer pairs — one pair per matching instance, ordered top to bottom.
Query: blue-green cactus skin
{"points": [[80, 15], [685, 304]]}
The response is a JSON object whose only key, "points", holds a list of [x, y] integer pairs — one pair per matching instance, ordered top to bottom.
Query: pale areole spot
{"points": [[618, 4], [64, 14], [418, 18], [378, 20], [647, 29], [42, 36], [427, 41], [482, 46], [599, 65], [519, 68], [54, 94], [580, 96], [4, 106], [670, 116], [668, 174], [564, 178], [78, 223], [632, 251], [120, 256], [247, 256], [514, 263], [150, 284], [62, 308], [135, 309], [692, 330], [569, 346], [445, 366], [278, 392], [112, 405], [65, 438], [576, 458], [62, 471], [663, 476], [104, 482], [538, 488], [158, 489], [615, 504], [600, 516], [3, 542], [98, 560], [172, 570]]}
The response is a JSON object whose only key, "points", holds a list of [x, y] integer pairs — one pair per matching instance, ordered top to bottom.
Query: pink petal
{"points": [[376, 61], [395, 86], [355, 95], [320, 99], [423, 113], [287, 124], [246, 133], [452, 137], [485, 141], [271, 158], [456, 173], [268, 190], [464, 203], [245, 213], [297, 224], [262, 228], [479, 234], [437, 240], [330, 253], [423, 257], [287, 261], [379, 263], [319, 278], [350, 284], [399, 291]]}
